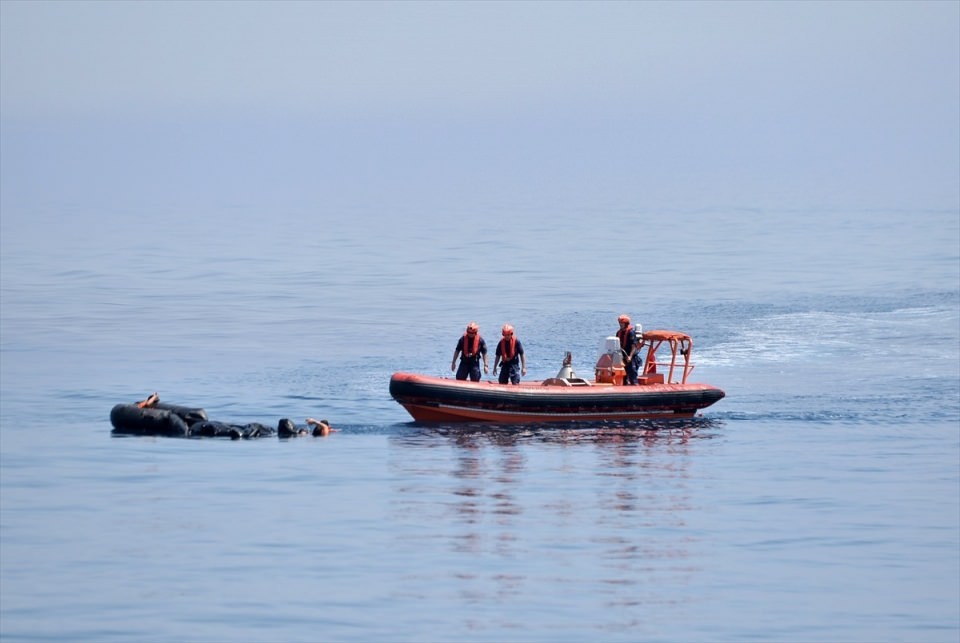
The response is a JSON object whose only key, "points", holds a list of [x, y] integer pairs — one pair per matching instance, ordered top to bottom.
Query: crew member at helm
{"points": [[630, 348], [472, 349], [510, 356]]}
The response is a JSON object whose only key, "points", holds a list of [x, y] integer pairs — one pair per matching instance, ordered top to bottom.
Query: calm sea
{"points": [[819, 501]]}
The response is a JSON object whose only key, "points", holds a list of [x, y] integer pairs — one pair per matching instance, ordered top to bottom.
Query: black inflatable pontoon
{"points": [[152, 417]]}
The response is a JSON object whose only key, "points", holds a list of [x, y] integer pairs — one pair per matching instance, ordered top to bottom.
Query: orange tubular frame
{"points": [[677, 341]]}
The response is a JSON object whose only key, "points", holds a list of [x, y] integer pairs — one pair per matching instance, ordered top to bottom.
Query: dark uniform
{"points": [[628, 345], [470, 356], [509, 364]]}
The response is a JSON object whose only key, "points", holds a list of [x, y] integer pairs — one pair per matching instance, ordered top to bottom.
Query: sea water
{"points": [[820, 500]]}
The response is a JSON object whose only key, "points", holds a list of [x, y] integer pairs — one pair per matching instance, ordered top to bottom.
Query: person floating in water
{"points": [[473, 348], [510, 356], [320, 427], [317, 428]]}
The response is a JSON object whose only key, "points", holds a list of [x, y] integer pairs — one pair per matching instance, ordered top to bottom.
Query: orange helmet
{"points": [[624, 319], [472, 328], [507, 330]]}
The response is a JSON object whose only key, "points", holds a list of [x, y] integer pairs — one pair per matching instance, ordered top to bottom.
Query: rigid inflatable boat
{"points": [[663, 390]]}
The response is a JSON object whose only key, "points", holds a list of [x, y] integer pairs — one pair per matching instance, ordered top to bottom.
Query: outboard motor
{"points": [[609, 368], [566, 376]]}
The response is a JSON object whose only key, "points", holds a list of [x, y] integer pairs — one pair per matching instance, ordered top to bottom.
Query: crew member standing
{"points": [[630, 348], [472, 349], [510, 356]]}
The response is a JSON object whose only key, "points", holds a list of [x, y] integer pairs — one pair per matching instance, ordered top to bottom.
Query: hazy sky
{"points": [[838, 104]]}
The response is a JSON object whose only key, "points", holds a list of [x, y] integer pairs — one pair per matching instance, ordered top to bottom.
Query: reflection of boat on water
{"points": [[663, 391], [566, 434], [617, 507]]}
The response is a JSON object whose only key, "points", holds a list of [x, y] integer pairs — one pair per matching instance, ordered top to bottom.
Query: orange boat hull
{"points": [[444, 400]]}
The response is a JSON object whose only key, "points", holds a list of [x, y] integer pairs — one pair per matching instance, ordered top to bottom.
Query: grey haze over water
{"points": [[416, 106]]}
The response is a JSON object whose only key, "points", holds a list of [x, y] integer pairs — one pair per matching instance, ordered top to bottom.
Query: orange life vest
{"points": [[624, 335], [508, 349], [469, 351]]}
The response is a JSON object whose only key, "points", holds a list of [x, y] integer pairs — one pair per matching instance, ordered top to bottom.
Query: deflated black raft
{"points": [[175, 421]]}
